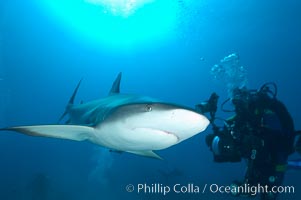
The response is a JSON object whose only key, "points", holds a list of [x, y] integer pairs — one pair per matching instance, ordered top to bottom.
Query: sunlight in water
{"points": [[120, 7], [115, 23]]}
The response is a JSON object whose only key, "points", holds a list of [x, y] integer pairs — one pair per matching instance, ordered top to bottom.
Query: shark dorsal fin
{"points": [[116, 85]]}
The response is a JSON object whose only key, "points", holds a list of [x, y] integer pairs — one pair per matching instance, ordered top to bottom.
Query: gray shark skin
{"points": [[124, 123]]}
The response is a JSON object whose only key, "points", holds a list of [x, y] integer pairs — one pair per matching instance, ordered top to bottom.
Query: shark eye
{"points": [[148, 108]]}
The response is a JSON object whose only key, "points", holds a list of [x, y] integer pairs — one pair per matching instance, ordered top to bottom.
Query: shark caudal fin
{"points": [[71, 101], [69, 132]]}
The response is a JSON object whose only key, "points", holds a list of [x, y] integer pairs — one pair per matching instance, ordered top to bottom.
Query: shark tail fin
{"points": [[116, 85], [71, 101], [69, 132]]}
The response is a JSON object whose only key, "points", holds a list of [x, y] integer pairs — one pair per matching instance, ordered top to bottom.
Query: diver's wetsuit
{"points": [[261, 131], [266, 138]]}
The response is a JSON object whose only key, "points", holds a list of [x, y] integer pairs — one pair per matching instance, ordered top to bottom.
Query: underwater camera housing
{"points": [[224, 147]]}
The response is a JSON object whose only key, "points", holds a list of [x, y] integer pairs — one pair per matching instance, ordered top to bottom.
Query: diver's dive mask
{"points": [[241, 99]]}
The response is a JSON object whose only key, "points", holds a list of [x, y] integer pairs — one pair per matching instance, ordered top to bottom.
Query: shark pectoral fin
{"points": [[70, 132], [147, 154]]}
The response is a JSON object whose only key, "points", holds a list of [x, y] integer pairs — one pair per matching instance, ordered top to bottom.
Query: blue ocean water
{"points": [[41, 61]]}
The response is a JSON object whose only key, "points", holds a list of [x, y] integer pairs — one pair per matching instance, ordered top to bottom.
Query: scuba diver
{"points": [[261, 132]]}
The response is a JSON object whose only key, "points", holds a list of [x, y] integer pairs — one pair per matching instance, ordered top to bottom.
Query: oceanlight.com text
{"points": [[191, 188], [251, 189]]}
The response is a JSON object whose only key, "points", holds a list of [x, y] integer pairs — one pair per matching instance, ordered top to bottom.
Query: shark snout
{"points": [[187, 123]]}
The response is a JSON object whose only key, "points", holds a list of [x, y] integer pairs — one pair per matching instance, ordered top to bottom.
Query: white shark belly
{"points": [[132, 139]]}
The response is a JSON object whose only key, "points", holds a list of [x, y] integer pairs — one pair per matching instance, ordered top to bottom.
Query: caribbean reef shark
{"points": [[124, 123]]}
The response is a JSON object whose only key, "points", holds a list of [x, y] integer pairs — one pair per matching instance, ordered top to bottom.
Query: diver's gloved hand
{"points": [[209, 106]]}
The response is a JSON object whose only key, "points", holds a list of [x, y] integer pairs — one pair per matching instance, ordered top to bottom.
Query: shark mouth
{"points": [[158, 131]]}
